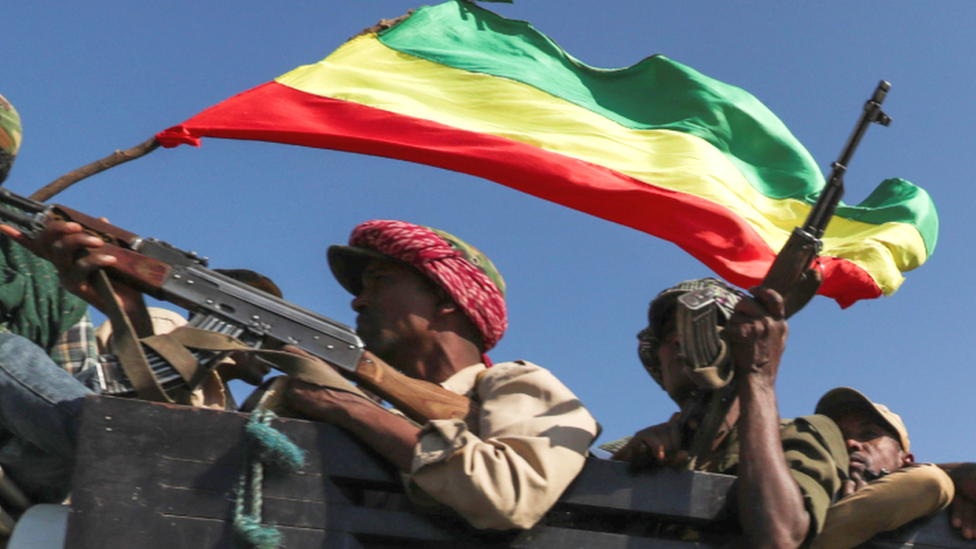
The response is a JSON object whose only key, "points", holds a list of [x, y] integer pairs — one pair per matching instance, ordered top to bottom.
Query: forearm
{"points": [[392, 436], [963, 476], [885, 504], [771, 508]]}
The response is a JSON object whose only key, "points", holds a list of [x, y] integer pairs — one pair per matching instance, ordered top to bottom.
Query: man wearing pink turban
{"points": [[431, 306]]}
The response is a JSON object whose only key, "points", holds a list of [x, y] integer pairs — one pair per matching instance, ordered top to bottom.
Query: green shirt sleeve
{"points": [[817, 456]]}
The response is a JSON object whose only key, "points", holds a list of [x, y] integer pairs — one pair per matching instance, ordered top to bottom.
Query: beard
{"points": [[374, 338]]}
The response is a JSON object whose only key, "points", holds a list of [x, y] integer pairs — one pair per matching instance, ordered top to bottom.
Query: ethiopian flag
{"points": [[658, 146]]}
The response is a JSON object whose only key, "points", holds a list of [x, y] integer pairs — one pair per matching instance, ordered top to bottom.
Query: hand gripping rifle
{"points": [[792, 275], [232, 308]]}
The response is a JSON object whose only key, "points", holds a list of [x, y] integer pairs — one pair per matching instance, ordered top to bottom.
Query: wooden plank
{"points": [[206, 436], [139, 465], [192, 475], [159, 476], [668, 493], [315, 516], [934, 531], [177, 532], [562, 538]]}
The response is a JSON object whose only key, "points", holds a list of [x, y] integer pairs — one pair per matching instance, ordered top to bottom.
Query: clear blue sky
{"points": [[92, 77]]}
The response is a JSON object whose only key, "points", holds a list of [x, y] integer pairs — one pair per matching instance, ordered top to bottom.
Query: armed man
{"points": [[431, 306], [36, 313], [50, 357], [844, 474], [884, 488]]}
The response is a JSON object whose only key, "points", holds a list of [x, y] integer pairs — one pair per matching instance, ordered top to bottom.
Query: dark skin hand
{"points": [[62, 243], [75, 254], [758, 333], [391, 435], [658, 445], [964, 505], [771, 507]]}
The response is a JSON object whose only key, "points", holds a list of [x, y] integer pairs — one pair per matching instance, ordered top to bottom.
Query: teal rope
{"points": [[264, 446]]}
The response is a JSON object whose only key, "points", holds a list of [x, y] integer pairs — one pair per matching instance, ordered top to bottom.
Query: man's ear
{"points": [[907, 459]]}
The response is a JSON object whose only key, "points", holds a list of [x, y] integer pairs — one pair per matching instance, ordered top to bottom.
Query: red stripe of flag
{"points": [[714, 235]]}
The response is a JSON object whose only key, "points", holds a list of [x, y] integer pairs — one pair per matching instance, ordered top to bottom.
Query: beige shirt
{"points": [[531, 442], [885, 504]]}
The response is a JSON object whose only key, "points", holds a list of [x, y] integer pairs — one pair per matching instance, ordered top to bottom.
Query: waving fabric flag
{"points": [[657, 146]]}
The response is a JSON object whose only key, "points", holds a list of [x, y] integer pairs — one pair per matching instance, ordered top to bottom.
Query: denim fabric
{"points": [[40, 405]]}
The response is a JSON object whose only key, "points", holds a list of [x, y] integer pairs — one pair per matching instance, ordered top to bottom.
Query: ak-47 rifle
{"points": [[225, 305], [715, 409]]}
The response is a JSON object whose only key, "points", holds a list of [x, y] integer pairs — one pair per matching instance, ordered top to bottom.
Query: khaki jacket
{"points": [[532, 439]]}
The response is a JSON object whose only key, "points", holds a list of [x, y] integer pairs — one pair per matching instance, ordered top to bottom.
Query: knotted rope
{"points": [[264, 446]]}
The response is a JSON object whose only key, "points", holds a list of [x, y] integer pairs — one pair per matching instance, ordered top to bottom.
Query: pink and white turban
{"points": [[469, 277]]}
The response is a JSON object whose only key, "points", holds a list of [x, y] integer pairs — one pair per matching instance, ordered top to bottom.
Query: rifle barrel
{"points": [[833, 192]]}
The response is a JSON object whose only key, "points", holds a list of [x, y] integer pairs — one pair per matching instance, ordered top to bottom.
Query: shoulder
{"points": [[510, 370], [521, 373], [522, 378], [524, 399], [818, 428], [817, 441]]}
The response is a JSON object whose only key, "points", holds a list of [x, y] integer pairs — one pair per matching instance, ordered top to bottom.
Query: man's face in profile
{"points": [[395, 307], [674, 372]]}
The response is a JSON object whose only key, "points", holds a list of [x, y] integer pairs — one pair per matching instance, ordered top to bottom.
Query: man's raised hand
{"points": [[758, 333]]}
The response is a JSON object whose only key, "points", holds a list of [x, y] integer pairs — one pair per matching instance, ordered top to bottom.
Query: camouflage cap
{"points": [[11, 135], [474, 256], [348, 262], [661, 313], [843, 400]]}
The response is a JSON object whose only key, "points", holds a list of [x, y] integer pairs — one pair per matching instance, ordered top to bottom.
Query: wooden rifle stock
{"points": [[136, 270], [419, 400]]}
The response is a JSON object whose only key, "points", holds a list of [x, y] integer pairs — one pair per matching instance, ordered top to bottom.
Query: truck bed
{"points": [[160, 476]]}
